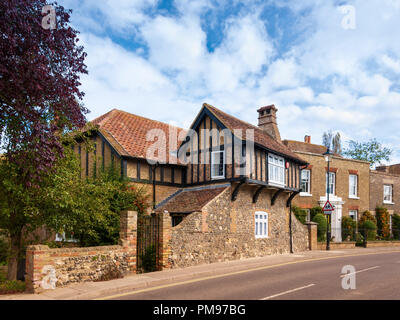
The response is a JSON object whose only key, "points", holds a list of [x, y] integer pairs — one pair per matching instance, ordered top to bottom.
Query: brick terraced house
{"points": [[226, 184], [349, 187], [385, 189]]}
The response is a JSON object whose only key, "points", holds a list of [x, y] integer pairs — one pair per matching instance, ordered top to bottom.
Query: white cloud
{"points": [[334, 78]]}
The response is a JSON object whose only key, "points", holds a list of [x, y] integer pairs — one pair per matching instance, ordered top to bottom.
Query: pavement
{"points": [[170, 278]]}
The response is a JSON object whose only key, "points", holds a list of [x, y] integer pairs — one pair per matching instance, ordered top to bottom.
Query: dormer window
{"points": [[218, 165], [276, 169]]}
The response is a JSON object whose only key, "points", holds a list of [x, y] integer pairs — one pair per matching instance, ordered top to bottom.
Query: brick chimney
{"points": [[267, 121], [307, 139]]}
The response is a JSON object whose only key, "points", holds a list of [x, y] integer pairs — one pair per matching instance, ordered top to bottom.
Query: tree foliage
{"points": [[39, 79], [332, 141], [371, 151], [64, 202], [300, 214], [383, 222], [322, 226], [348, 228]]}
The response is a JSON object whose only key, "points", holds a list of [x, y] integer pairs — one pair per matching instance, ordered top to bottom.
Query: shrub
{"points": [[314, 211], [300, 214], [367, 215], [383, 224], [322, 225], [396, 226], [348, 227], [368, 227]]}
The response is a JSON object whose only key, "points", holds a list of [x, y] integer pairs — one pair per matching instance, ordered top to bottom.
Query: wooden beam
{"points": [[236, 190], [257, 193], [275, 196]]}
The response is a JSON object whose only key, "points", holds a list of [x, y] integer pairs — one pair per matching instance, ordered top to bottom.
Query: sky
{"points": [[326, 65]]}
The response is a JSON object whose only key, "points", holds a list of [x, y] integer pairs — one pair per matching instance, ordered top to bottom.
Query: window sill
{"points": [[217, 178], [276, 184], [305, 194], [353, 197], [387, 202], [260, 238]]}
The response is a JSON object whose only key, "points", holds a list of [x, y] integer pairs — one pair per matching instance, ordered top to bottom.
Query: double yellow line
{"points": [[239, 272]]}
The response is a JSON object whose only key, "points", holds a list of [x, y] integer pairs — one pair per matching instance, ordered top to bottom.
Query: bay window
{"points": [[276, 169]]}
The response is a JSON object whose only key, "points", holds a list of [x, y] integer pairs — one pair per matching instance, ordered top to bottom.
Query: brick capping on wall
{"points": [[73, 265]]}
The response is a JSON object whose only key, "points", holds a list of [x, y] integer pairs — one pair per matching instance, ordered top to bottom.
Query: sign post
{"points": [[328, 208]]}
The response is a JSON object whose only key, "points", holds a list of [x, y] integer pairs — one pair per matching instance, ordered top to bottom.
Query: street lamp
{"points": [[328, 158]]}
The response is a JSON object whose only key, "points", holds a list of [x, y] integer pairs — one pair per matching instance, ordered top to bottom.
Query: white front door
{"points": [[336, 216]]}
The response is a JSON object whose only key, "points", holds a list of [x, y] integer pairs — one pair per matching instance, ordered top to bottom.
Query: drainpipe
{"points": [[290, 228]]}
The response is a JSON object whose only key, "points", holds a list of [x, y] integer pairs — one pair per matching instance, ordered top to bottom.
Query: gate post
{"points": [[312, 235], [128, 236], [165, 238]]}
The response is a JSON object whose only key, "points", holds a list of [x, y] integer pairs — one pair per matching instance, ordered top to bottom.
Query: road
{"points": [[377, 277]]}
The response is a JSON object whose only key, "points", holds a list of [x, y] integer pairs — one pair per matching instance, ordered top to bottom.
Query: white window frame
{"points": [[276, 170], [213, 175], [328, 179], [351, 187], [388, 187], [308, 191], [355, 214], [261, 225]]}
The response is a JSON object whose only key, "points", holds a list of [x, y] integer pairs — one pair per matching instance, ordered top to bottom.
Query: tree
{"points": [[39, 85], [39, 100], [332, 141], [371, 151], [63, 202], [383, 222]]}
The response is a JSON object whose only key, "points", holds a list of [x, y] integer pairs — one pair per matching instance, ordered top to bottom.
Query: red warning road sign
{"points": [[328, 207]]}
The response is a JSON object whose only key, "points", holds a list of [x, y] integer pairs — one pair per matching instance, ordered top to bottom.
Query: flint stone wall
{"points": [[224, 230], [47, 267]]}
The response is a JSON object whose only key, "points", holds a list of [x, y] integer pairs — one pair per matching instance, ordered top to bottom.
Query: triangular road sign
{"points": [[328, 207]]}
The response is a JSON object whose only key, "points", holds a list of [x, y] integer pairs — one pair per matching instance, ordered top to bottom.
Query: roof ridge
{"points": [[145, 118], [247, 123], [297, 141]]}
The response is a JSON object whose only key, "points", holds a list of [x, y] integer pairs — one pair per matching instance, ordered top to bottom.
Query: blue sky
{"points": [[322, 66]]}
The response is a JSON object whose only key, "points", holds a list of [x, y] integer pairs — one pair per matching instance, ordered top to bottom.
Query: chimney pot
{"points": [[307, 139]]}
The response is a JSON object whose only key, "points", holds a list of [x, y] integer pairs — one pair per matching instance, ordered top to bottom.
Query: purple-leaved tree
{"points": [[40, 68]]}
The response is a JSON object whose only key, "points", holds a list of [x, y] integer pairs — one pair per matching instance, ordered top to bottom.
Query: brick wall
{"points": [[343, 168], [377, 180], [224, 230], [73, 265]]}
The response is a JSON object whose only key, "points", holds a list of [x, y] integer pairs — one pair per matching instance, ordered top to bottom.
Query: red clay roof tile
{"points": [[127, 133]]}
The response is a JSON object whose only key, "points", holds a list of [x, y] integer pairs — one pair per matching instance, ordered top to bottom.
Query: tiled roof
{"points": [[127, 133], [260, 136], [306, 147], [190, 201]]}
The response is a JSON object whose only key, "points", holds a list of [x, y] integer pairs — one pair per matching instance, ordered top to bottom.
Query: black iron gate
{"points": [[148, 243]]}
